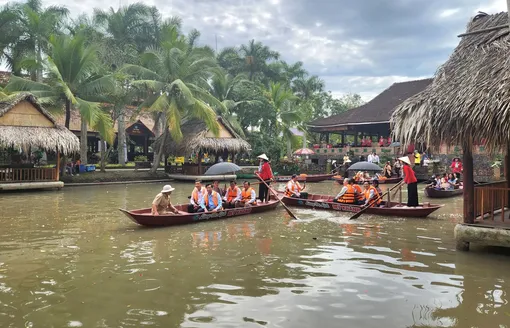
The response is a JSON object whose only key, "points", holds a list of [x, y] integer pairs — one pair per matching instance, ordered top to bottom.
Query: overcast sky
{"points": [[359, 46]]}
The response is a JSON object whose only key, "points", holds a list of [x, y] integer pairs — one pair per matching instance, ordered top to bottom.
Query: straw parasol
{"points": [[469, 95], [196, 137], [51, 138]]}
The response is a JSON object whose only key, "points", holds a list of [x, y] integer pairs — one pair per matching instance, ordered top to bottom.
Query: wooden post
{"points": [[343, 138], [199, 163], [58, 166], [507, 172], [469, 185]]}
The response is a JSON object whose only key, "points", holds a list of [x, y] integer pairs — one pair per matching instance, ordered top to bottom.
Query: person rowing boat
{"points": [[162, 204]]}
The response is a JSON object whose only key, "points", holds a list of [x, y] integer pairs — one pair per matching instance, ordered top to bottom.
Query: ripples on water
{"points": [[71, 260]]}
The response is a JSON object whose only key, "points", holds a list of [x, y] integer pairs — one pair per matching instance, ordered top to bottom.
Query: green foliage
{"points": [[261, 143], [140, 158]]}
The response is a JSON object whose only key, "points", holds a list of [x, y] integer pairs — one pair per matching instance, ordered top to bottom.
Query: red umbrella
{"points": [[304, 151]]}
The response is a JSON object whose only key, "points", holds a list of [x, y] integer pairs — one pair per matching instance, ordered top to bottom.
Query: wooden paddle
{"points": [[276, 195], [357, 215]]}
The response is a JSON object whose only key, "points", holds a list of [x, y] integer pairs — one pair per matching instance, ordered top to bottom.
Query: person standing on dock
{"points": [[266, 173], [411, 181], [197, 198]]}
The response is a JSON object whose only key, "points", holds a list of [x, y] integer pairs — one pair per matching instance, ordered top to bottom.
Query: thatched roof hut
{"points": [[469, 96], [25, 123], [198, 138]]}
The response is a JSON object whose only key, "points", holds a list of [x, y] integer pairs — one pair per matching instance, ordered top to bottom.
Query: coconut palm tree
{"points": [[36, 24], [176, 76], [74, 81], [305, 88], [285, 113]]}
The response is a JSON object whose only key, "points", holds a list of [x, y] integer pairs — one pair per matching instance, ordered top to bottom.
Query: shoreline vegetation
{"points": [[126, 176]]}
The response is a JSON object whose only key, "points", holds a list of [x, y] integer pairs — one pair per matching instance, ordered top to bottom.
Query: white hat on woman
{"points": [[264, 157], [405, 159], [167, 188]]}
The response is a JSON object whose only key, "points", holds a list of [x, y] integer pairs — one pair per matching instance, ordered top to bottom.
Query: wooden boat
{"points": [[307, 178], [381, 181], [434, 193], [325, 202], [144, 216]]}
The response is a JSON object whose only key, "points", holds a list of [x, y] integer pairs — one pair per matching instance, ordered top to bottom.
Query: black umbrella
{"points": [[364, 166], [222, 168]]}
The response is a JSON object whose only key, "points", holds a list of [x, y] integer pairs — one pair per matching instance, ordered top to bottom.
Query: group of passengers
{"points": [[446, 181], [352, 193]]}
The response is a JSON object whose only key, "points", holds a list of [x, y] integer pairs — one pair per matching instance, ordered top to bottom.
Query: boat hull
{"points": [[307, 178], [382, 181], [434, 193], [324, 202], [144, 216]]}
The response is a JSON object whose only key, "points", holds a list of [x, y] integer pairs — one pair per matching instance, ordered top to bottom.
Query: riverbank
{"points": [[114, 177]]}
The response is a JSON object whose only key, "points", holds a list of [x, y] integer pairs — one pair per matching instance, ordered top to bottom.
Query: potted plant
{"points": [[142, 162], [496, 166]]}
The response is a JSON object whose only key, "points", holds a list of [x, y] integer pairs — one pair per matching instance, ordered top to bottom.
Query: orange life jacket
{"points": [[294, 187], [359, 192], [232, 193], [194, 194], [246, 194], [376, 196], [349, 197], [215, 198]]}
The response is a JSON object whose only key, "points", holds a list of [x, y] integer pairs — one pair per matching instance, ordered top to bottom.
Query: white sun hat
{"points": [[263, 156], [405, 159], [167, 188]]}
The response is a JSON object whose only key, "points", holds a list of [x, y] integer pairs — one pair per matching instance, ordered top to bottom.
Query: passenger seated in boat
{"points": [[387, 170], [452, 179], [375, 183], [445, 185], [216, 187], [293, 188], [233, 195], [347, 195], [371, 195], [248, 196], [360, 196], [197, 197], [212, 200], [162, 204]]}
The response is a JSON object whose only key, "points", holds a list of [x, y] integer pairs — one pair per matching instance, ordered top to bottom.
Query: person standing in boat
{"points": [[456, 166], [265, 173], [411, 181], [293, 188], [233, 195], [248, 196], [197, 197], [212, 200], [162, 204]]}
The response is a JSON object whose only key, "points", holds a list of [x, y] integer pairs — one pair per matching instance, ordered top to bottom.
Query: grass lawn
{"points": [[116, 176]]}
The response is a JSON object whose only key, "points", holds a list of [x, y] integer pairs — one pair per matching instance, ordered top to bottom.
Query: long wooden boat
{"points": [[307, 178], [381, 181], [434, 193], [324, 202], [144, 216]]}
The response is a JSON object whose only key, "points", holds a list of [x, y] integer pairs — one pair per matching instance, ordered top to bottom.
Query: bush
{"points": [[140, 158]]}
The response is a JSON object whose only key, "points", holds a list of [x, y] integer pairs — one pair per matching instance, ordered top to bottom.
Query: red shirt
{"points": [[266, 173], [409, 176]]}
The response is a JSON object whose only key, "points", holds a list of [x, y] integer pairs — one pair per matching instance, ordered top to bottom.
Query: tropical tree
{"points": [[36, 24], [284, 73], [176, 76], [74, 81], [285, 113]]}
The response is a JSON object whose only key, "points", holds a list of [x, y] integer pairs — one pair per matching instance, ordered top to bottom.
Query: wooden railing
{"points": [[27, 174], [491, 199]]}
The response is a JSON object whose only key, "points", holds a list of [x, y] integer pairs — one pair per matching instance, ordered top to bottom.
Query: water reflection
{"points": [[70, 259]]}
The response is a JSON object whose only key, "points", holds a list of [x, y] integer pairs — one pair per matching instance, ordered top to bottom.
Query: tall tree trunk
{"points": [[38, 71], [68, 113], [157, 125], [121, 137], [83, 142], [289, 148], [103, 155], [157, 155]]}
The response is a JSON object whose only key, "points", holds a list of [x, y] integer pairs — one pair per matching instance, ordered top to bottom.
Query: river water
{"points": [[71, 259]]}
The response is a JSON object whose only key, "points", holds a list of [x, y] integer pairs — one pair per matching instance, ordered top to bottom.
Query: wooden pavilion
{"points": [[469, 98], [26, 126], [199, 140]]}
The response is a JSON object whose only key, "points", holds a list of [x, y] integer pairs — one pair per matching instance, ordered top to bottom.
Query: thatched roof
{"points": [[469, 96], [377, 110], [50, 137], [196, 137]]}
